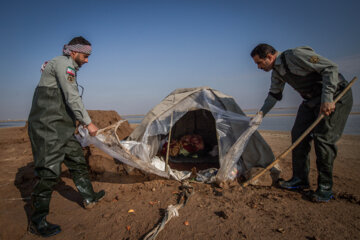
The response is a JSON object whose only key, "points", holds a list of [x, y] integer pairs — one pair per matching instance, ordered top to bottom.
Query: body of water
{"points": [[276, 123], [283, 123], [12, 124]]}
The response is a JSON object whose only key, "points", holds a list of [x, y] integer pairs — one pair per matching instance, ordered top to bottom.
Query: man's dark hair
{"points": [[79, 40], [262, 50]]}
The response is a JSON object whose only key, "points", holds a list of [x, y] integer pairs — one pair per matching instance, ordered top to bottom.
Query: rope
{"points": [[115, 126], [169, 140], [172, 210]]}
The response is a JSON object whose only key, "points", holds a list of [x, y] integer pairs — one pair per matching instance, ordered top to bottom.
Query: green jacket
{"points": [[302, 61], [60, 73]]}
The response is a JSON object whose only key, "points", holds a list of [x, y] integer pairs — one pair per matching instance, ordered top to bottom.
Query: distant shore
{"points": [[248, 112], [137, 116], [277, 119], [20, 120]]}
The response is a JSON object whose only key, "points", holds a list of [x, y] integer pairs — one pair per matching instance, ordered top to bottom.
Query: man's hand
{"points": [[327, 108], [257, 119], [92, 128]]}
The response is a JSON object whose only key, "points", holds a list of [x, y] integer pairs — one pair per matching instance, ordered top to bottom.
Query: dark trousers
{"points": [[325, 136], [48, 169]]}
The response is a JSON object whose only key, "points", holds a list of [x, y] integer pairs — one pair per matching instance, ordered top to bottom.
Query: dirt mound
{"points": [[104, 119], [101, 164]]}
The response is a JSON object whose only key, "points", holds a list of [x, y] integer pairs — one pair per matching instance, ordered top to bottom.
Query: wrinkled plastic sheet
{"points": [[233, 132], [129, 152], [136, 154]]}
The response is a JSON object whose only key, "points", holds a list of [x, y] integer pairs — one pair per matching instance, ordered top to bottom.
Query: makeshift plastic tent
{"points": [[204, 112]]}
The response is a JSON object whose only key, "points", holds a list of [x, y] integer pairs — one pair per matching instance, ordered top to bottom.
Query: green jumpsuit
{"points": [[317, 80], [55, 107]]}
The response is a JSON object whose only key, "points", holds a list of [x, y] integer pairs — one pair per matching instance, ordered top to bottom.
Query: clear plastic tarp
{"points": [[207, 112]]}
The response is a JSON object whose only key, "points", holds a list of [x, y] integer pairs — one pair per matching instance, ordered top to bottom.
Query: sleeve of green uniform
{"points": [[326, 68], [276, 87], [71, 93], [269, 103]]}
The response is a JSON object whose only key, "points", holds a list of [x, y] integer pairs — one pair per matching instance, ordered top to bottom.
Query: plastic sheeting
{"points": [[238, 147], [129, 152]]}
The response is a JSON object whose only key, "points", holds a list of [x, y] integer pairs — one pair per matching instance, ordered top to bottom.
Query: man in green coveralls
{"points": [[318, 82], [55, 108]]}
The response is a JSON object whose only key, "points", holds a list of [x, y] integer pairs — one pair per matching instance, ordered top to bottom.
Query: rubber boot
{"points": [[300, 154], [326, 154], [301, 167], [295, 183], [86, 190], [324, 191], [322, 195], [91, 202], [38, 224]]}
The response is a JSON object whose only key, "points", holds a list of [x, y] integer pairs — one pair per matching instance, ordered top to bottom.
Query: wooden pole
{"points": [[169, 140], [168, 146], [282, 155]]}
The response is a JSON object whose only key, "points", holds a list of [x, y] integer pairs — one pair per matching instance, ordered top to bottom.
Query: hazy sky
{"points": [[143, 50]]}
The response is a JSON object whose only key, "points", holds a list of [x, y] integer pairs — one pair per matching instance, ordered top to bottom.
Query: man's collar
{"points": [[278, 59], [76, 66]]}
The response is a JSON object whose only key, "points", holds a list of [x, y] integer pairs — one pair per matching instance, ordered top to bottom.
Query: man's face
{"points": [[80, 58], [265, 64]]}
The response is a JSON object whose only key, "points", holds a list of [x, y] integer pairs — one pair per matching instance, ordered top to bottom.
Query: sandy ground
{"points": [[256, 212]]}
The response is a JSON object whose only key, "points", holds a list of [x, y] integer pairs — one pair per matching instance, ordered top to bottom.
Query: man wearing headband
{"points": [[55, 108]]}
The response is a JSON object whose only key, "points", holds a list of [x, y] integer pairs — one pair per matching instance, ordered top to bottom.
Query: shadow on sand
{"points": [[25, 181]]}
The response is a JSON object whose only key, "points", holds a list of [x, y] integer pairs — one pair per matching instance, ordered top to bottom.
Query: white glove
{"points": [[257, 119]]}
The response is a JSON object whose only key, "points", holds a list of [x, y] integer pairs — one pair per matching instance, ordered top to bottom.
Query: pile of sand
{"points": [[104, 119], [99, 162]]}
